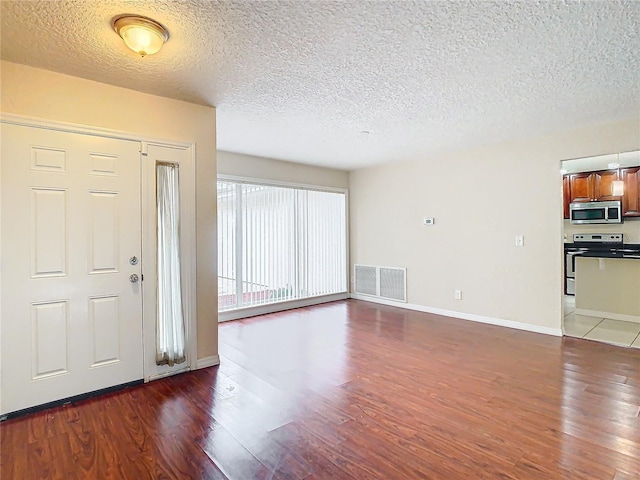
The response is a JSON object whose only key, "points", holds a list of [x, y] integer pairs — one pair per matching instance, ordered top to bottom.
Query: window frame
{"points": [[245, 312]]}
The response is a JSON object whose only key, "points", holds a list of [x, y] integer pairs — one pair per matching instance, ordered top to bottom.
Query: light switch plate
{"points": [[519, 240]]}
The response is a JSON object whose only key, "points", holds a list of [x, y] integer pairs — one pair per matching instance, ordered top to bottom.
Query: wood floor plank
{"points": [[354, 390], [13, 453], [231, 457], [48, 458]]}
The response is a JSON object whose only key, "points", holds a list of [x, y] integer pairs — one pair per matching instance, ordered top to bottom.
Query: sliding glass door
{"points": [[279, 243]]}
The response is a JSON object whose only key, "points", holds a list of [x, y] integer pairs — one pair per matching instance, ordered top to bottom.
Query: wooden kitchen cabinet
{"points": [[604, 185], [581, 186], [592, 186], [566, 196], [631, 198]]}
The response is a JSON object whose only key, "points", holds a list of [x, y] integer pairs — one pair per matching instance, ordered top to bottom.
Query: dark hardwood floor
{"points": [[354, 390]]}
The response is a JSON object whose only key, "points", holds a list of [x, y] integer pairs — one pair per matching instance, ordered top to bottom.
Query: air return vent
{"points": [[366, 280], [383, 282]]}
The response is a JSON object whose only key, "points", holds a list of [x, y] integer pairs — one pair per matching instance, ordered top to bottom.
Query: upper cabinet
{"points": [[589, 180], [581, 186], [593, 186], [598, 187], [631, 199]]}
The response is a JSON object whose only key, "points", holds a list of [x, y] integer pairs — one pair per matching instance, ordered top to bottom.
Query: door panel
{"points": [[71, 219], [49, 232], [104, 235], [104, 318], [50, 332]]}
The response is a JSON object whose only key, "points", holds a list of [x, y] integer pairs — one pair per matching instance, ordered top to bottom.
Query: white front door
{"points": [[71, 225]]}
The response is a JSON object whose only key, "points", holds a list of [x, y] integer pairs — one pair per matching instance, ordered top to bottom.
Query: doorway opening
{"points": [[601, 251]]}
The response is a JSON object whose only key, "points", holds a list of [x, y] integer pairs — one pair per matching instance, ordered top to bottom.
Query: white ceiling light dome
{"points": [[141, 34]]}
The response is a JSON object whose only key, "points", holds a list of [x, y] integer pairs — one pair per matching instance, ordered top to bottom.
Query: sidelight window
{"points": [[170, 336]]}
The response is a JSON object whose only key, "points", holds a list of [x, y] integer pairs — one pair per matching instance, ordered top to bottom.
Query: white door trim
{"points": [[87, 130], [188, 208], [187, 248]]}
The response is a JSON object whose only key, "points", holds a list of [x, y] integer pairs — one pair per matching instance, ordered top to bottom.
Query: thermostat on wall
{"points": [[429, 221]]}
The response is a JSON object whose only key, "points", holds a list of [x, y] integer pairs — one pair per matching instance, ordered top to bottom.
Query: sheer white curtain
{"points": [[170, 324]]}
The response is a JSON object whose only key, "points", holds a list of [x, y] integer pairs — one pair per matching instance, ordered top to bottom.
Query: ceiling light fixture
{"points": [[141, 34]]}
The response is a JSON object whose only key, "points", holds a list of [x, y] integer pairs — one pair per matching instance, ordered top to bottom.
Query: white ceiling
{"points": [[300, 80]]}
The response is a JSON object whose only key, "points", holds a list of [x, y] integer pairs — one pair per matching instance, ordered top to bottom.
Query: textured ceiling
{"points": [[300, 80]]}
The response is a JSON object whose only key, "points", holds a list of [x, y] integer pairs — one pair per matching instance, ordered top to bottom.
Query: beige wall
{"points": [[53, 96], [278, 170], [481, 199]]}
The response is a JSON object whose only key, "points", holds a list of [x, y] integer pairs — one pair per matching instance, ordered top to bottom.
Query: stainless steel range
{"points": [[589, 244]]}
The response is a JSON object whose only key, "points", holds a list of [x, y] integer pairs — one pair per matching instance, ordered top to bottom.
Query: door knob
{"points": [[133, 278]]}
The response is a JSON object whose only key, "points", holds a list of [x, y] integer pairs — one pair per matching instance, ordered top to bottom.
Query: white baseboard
{"points": [[279, 307], [611, 315], [556, 332], [207, 362]]}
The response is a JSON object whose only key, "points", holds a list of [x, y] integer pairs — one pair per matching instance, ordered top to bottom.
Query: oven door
{"points": [[569, 273]]}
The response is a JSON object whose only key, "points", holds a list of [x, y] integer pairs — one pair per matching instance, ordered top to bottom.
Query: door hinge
{"points": [[142, 277]]}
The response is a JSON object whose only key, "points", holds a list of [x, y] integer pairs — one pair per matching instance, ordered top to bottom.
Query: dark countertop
{"points": [[624, 246], [626, 250], [635, 256]]}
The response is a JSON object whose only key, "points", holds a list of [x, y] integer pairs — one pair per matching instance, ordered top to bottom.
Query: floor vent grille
{"points": [[383, 282]]}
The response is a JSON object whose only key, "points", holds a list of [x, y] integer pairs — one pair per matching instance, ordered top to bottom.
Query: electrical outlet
{"points": [[429, 221], [457, 294]]}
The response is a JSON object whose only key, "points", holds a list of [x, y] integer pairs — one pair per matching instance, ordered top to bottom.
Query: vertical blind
{"points": [[277, 244]]}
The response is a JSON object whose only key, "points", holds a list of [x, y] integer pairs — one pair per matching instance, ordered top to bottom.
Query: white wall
{"points": [[47, 95], [269, 169], [481, 199]]}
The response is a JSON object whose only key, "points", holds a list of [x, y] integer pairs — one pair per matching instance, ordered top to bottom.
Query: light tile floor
{"points": [[615, 332]]}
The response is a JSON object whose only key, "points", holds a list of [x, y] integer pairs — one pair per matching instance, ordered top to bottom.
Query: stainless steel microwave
{"points": [[596, 212]]}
